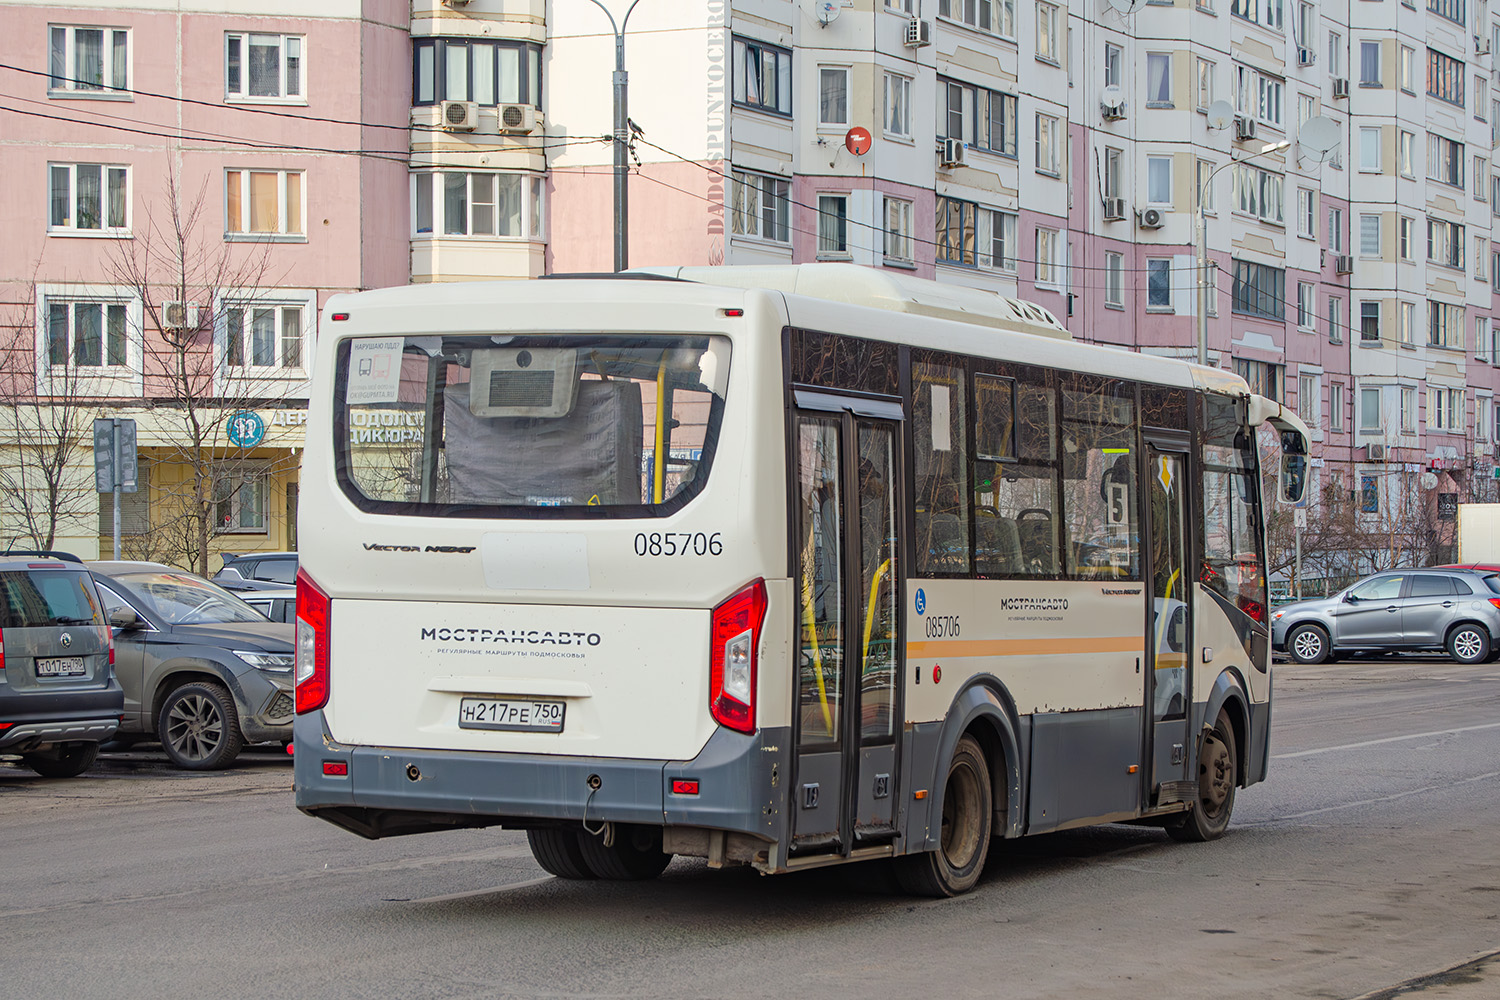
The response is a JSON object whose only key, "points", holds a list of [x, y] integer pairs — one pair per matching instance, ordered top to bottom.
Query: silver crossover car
{"points": [[1456, 610]]}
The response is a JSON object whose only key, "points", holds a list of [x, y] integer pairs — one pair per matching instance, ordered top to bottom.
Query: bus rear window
{"points": [[528, 425]]}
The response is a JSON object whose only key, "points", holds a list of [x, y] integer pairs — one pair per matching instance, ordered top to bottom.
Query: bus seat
{"points": [[1035, 528], [997, 545]]}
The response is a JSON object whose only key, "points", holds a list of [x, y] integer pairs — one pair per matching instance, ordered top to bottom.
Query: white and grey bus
{"points": [[780, 567]]}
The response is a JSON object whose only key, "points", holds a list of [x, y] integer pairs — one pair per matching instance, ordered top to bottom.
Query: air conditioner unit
{"points": [[918, 33], [1481, 45], [1306, 57], [1340, 87], [1112, 103], [1112, 114], [460, 116], [517, 119], [1244, 128], [953, 152], [1114, 209], [1152, 218], [1343, 264], [179, 316], [1375, 453]]}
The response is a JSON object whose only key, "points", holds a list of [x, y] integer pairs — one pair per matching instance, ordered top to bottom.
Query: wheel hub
{"points": [[1213, 776]]}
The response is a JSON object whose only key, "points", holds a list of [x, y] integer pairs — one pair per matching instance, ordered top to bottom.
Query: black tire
{"points": [[1469, 643], [1308, 644], [199, 727], [67, 761], [1218, 773], [968, 814], [558, 852], [634, 856]]}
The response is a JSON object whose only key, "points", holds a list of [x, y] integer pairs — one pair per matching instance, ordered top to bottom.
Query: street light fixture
{"points": [[622, 136], [1203, 273]]}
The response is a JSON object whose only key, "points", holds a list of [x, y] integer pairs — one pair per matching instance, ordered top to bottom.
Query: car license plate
{"points": [[61, 666], [512, 714]]}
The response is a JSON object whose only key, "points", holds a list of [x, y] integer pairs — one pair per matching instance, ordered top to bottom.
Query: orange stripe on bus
{"points": [[1024, 647]]}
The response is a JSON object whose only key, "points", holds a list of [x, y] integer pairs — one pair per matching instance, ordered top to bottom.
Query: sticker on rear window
{"points": [[374, 371]]}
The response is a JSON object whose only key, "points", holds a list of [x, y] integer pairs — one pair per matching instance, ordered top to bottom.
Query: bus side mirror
{"points": [[1293, 479]]}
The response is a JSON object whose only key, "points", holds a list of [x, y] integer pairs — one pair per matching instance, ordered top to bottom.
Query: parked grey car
{"points": [[1423, 609], [202, 671], [58, 695]]}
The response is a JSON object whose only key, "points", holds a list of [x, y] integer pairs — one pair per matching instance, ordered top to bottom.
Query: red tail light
{"points": [[1493, 600], [109, 634], [734, 638], [312, 645], [2, 650]]}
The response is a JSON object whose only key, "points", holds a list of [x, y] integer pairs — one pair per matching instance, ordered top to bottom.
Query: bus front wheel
{"points": [[1218, 770], [955, 866]]}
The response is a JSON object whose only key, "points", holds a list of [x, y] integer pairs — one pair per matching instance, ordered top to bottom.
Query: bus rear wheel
{"points": [[1218, 770], [968, 807], [559, 852], [634, 855]]}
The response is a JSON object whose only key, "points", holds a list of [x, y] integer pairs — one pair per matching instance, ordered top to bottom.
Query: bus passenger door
{"points": [[1170, 643], [848, 646]]}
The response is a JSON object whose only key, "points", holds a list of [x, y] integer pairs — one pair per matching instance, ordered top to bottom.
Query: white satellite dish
{"points": [[1125, 7], [829, 11], [1112, 98], [1220, 114], [1319, 134], [1429, 480]]}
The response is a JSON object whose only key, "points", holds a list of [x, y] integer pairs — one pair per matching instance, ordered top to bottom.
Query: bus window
{"points": [[939, 435], [1099, 480], [1016, 492], [1233, 563]]}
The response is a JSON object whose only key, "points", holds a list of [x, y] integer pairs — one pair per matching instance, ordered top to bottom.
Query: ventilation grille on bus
{"points": [[523, 381], [530, 389]]}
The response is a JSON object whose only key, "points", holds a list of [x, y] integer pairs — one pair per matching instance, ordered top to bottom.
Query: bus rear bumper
{"points": [[386, 791]]}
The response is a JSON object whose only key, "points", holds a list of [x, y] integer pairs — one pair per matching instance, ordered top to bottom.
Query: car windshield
{"points": [[184, 599]]}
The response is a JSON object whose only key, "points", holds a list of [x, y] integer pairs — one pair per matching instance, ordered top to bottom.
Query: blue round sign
{"points": [[246, 429], [921, 601]]}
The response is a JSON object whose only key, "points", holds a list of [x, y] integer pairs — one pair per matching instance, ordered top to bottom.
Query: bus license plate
{"points": [[61, 666], [512, 714]]}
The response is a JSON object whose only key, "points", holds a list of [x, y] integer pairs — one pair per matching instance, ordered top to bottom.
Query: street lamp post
{"points": [[622, 136], [1203, 277]]}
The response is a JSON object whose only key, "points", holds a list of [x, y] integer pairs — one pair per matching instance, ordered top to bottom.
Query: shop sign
{"points": [[246, 429]]}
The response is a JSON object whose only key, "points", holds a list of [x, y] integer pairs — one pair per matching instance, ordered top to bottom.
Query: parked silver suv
{"points": [[1456, 610], [58, 695]]}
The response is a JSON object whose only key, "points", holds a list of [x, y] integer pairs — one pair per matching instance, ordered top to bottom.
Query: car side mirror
{"points": [[1350, 598], [125, 618]]}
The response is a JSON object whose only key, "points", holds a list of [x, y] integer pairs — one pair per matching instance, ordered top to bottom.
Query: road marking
{"points": [[1388, 739], [1383, 798], [484, 892]]}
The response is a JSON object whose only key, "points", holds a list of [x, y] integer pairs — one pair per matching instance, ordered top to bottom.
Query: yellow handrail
{"points": [[658, 466], [870, 611], [812, 631]]}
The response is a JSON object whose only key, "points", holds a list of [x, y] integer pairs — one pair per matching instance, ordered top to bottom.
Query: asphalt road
{"points": [[1367, 866]]}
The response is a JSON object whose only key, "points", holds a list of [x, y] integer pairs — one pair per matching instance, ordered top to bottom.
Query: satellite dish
{"points": [[1125, 7], [828, 11], [1112, 98], [1220, 114], [1319, 134], [1429, 480]]}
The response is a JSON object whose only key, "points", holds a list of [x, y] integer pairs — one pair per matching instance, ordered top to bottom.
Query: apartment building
{"points": [[184, 188]]}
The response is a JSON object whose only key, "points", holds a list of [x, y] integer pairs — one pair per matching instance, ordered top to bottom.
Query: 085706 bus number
{"points": [[678, 543], [941, 626]]}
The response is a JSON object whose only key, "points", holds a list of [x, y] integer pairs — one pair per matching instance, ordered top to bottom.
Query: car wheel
{"points": [[1307, 644], [1469, 644], [199, 728], [62, 762]]}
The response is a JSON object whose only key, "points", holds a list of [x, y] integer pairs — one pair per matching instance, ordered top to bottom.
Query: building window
{"points": [[904, 6], [1453, 10], [1267, 12], [998, 16], [1046, 31], [1114, 56], [88, 60], [1369, 64], [267, 67], [1407, 67], [487, 73], [762, 76], [1445, 77], [1158, 79], [1205, 83], [833, 95], [1259, 95], [1481, 97], [897, 105], [979, 117], [1046, 144], [1369, 149], [1406, 154], [1445, 160], [1114, 172], [1481, 178], [1159, 180], [1202, 190], [1259, 193], [88, 198], [264, 202], [477, 204], [760, 206], [1307, 213], [833, 224], [897, 229], [957, 229], [1336, 230], [1369, 235], [1403, 237], [1002, 238], [1445, 243], [1481, 255], [1046, 256], [1158, 283], [1114, 284], [1259, 290], [1306, 307], [1335, 320], [1369, 321], [1407, 323], [1445, 327], [90, 335], [263, 338], [1481, 338], [1264, 377], [1308, 398], [1336, 407], [1369, 409], [1408, 409], [1445, 409], [1481, 418], [1369, 494], [240, 501]]}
